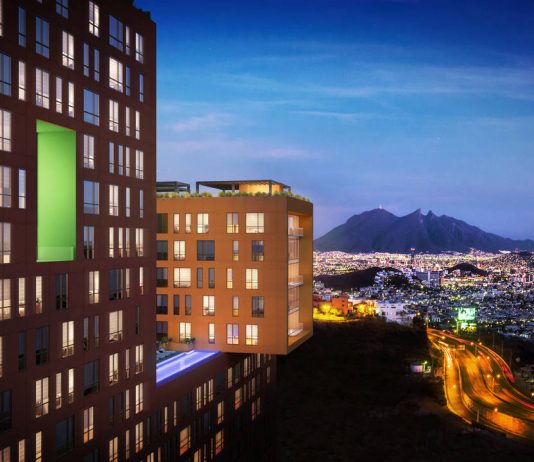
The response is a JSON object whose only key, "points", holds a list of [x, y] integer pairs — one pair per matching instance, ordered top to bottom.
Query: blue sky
{"points": [[403, 104]]}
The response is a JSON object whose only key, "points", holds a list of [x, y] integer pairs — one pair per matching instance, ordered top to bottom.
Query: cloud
{"points": [[208, 121]]}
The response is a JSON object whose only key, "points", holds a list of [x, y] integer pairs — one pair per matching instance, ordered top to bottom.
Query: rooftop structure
{"points": [[246, 186]]}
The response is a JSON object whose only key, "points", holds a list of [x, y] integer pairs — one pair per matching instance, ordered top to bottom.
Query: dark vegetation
{"points": [[468, 267], [353, 280], [347, 395]]}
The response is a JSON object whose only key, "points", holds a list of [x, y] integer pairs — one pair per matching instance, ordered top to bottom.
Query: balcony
{"points": [[295, 232], [295, 281], [293, 309], [295, 330]]}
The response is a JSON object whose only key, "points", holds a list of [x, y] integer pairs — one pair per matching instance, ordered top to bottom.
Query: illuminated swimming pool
{"points": [[177, 365]]}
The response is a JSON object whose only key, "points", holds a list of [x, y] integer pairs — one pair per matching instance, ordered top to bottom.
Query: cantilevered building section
{"points": [[77, 229], [235, 269]]}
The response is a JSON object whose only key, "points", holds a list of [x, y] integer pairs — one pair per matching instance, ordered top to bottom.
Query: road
{"points": [[479, 387]]}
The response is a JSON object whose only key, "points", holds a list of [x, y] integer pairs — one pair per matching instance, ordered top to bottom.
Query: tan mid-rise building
{"points": [[234, 270]]}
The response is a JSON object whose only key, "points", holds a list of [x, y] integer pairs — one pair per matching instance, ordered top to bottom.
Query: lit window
{"points": [[94, 19], [139, 48], [67, 53], [116, 75], [22, 81], [42, 89], [59, 95], [70, 100], [91, 107], [114, 116], [137, 125], [5, 130], [88, 151], [139, 164], [5, 186], [22, 189], [113, 200], [255, 222], [202, 223], [232, 223], [5, 242], [139, 242], [179, 250], [182, 277], [251, 278], [94, 287], [5, 299], [208, 305], [235, 305], [115, 326], [184, 331], [211, 332], [232, 334], [251, 334], [67, 342], [139, 359], [113, 361], [41, 397], [139, 398], [237, 398], [88, 424], [139, 437], [185, 439], [219, 441], [38, 447], [113, 450]]}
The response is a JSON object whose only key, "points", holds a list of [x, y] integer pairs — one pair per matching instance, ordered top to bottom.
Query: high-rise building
{"points": [[77, 224], [234, 270], [80, 377]]}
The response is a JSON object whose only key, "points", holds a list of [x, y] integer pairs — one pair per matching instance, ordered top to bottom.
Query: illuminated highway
{"points": [[479, 387]]}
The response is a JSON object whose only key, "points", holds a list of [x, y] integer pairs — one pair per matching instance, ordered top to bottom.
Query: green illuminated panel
{"points": [[56, 193], [466, 314]]}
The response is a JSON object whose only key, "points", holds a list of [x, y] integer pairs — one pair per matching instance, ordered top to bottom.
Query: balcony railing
{"points": [[295, 232], [294, 281], [292, 309], [295, 330]]}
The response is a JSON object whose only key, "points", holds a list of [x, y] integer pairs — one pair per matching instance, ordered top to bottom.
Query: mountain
{"points": [[380, 231]]}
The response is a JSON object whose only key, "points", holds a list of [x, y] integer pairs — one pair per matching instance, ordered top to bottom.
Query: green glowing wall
{"points": [[56, 193]]}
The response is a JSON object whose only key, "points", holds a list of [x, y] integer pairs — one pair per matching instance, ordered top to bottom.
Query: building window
{"points": [[62, 8], [94, 19], [22, 27], [116, 33], [42, 37], [139, 48], [67, 53], [96, 65], [86, 68], [5, 74], [116, 75], [22, 81], [141, 88], [42, 89], [59, 95], [70, 100], [91, 107], [114, 116], [137, 125], [5, 130], [88, 151], [139, 164], [5, 186], [22, 189], [91, 198], [113, 200], [127, 206], [187, 222], [255, 222], [161, 223], [202, 223], [232, 223], [5, 242], [89, 242], [139, 242], [162, 250], [179, 250], [205, 250], [235, 250], [257, 250], [161, 277], [182, 277], [200, 278], [211, 278], [229, 278], [251, 278], [119, 284], [94, 287], [61, 291], [38, 294], [22, 297], [5, 299], [162, 304], [187, 305], [208, 305], [235, 305], [257, 307], [115, 326], [184, 331], [211, 332], [232, 334], [251, 337], [67, 342], [41, 345], [139, 359], [113, 368], [90, 377], [238, 398], [139, 399], [42, 401], [220, 412], [88, 424], [65, 434], [139, 437], [185, 439], [219, 441], [39, 447], [113, 450]]}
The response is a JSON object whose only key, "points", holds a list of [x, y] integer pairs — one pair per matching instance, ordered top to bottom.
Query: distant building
{"points": [[394, 312]]}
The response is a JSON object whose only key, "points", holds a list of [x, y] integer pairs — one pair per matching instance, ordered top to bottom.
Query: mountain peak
{"points": [[378, 230]]}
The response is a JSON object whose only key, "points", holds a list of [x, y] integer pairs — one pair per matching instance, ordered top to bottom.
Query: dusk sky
{"points": [[403, 104]]}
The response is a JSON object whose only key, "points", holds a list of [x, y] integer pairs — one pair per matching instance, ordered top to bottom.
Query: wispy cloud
{"points": [[202, 122]]}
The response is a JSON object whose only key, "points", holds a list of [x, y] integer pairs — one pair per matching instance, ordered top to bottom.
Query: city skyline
{"points": [[400, 104]]}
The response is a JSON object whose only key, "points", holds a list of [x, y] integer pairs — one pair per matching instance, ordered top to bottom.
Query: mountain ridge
{"points": [[379, 230]]}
